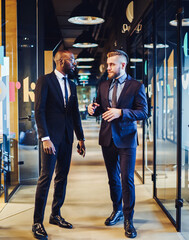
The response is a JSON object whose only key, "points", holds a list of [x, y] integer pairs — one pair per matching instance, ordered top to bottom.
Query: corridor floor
{"points": [[87, 204]]}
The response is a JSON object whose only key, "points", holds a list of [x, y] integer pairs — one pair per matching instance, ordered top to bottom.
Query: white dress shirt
{"points": [[59, 76]]}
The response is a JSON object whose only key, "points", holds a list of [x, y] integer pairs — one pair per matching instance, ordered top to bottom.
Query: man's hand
{"points": [[92, 107], [111, 114], [48, 147], [81, 149]]}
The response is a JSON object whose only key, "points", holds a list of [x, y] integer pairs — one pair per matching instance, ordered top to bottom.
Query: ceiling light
{"points": [[86, 13], [185, 22], [85, 40], [158, 45], [84, 56], [136, 60], [84, 66], [132, 67], [84, 72]]}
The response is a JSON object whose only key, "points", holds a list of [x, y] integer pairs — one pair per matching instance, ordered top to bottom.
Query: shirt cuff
{"points": [[45, 138]]}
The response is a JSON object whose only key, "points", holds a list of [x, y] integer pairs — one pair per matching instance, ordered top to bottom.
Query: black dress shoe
{"points": [[115, 217], [58, 220], [130, 230], [39, 231]]}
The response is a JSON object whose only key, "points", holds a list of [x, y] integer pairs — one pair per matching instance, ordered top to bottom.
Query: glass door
{"points": [[135, 69], [166, 96]]}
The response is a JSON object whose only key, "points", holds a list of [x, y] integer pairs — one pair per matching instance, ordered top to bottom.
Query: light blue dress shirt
{"points": [[121, 83]]}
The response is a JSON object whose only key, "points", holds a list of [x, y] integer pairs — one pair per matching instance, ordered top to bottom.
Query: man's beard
{"points": [[72, 73], [112, 75]]}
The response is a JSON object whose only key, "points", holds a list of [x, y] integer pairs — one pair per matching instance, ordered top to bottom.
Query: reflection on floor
{"points": [[87, 204]]}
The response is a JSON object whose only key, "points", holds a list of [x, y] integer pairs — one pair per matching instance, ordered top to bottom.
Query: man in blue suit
{"points": [[122, 101]]}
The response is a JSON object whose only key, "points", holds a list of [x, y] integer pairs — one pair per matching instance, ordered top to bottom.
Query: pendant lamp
{"points": [[86, 14], [85, 40]]}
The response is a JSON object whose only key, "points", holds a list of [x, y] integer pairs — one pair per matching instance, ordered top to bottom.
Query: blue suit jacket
{"points": [[133, 102]]}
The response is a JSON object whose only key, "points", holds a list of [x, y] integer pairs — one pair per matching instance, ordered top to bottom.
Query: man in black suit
{"points": [[122, 101], [57, 116]]}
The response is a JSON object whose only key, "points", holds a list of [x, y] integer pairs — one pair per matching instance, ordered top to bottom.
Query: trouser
{"points": [[121, 160], [61, 163]]}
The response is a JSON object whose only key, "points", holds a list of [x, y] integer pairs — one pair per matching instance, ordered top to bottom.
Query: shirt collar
{"points": [[59, 74], [122, 78]]}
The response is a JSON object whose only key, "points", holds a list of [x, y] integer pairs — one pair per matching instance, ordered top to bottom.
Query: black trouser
{"points": [[121, 160], [61, 163]]}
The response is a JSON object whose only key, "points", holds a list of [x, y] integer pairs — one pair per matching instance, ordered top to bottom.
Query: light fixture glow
{"points": [[86, 13], [86, 20], [185, 22], [85, 40], [85, 45], [159, 45], [84, 56], [85, 59], [136, 60], [84, 66], [84, 72]]}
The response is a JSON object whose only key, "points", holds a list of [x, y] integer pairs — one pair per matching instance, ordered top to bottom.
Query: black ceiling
{"points": [[104, 34]]}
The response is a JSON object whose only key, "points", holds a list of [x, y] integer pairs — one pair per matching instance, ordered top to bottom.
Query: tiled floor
{"points": [[87, 205]]}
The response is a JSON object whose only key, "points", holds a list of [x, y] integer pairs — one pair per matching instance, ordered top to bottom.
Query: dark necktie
{"points": [[66, 90], [114, 94]]}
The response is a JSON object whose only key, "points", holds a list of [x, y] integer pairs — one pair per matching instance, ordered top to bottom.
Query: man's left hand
{"points": [[111, 114], [81, 150]]}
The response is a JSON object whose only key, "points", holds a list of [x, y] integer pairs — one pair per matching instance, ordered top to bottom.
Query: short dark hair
{"points": [[116, 52]]}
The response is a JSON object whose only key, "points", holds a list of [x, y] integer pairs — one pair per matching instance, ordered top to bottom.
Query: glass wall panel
{"points": [[136, 71], [27, 74], [148, 80], [9, 85], [185, 124], [166, 157]]}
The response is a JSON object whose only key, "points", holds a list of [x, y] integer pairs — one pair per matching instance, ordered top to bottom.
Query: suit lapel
{"points": [[127, 83], [58, 89], [106, 90]]}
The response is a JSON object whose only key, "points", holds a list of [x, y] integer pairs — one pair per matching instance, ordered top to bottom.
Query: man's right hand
{"points": [[92, 107], [48, 147]]}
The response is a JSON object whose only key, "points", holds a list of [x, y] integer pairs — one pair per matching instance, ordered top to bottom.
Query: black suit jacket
{"points": [[133, 102], [52, 118]]}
